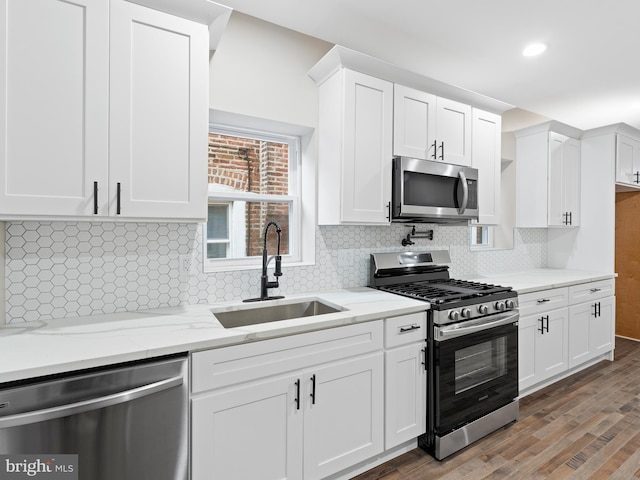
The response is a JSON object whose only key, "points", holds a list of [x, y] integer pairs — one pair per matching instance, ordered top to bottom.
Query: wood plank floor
{"points": [[584, 427]]}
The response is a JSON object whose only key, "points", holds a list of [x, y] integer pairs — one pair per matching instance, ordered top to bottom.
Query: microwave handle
{"points": [[465, 192]]}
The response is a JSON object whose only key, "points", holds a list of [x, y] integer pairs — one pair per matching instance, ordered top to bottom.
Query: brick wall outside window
{"points": [[257, 166]]}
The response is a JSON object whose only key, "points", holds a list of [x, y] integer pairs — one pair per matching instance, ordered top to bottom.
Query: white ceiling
{"points": [[589, 76]]}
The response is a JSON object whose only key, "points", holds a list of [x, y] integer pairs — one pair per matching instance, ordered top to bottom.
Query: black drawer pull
{"points": [[95, 198], [543, 300], [410, 328]]}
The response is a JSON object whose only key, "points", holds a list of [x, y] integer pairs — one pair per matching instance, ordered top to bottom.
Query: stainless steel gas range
{"points": [[471, 347]]}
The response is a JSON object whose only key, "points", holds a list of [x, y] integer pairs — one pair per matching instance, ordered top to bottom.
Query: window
{"points": [[253, 179], [481, 237]]}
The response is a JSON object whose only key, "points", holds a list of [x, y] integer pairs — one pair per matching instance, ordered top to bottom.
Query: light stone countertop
{"points": [[542, 279], [34, 349]]}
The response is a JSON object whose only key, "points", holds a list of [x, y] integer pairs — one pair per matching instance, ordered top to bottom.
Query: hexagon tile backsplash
{"points": [[65, 269]]}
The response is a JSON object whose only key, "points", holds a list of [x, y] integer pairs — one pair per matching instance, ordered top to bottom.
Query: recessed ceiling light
{"points": [[534, 49]]}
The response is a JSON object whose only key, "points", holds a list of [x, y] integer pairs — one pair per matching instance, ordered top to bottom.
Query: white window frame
{"points": [[301, 198], [488, 232], [226, 241]]}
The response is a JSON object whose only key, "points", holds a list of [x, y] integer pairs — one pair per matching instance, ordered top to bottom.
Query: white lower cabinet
{"points": [[591, 323], [563, 329], [542, 346], [405, 379], [307, 419], [259, 422]]}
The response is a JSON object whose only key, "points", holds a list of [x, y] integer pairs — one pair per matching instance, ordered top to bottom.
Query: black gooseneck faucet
{"points": [[265, 284]]}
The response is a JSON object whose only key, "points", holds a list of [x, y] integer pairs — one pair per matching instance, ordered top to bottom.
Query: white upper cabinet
{"points": [[54, 96], [159, 114], [453, 120], [111, 122], [414, 123], [430, 127], [355, 157], [486, 157], [627, 161], [547, 179], [564, 181]]}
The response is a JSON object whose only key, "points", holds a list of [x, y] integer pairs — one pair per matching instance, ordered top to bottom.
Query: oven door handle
{"points": [[466, 328]]}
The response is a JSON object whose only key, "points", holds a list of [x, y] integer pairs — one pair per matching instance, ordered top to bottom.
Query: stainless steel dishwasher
{"points": [[127, 422]]}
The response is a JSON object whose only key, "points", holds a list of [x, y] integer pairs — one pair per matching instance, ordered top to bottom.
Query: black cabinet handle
{"points": [[435, 149], [441, 150], [637, 175], [95, 198], [118, 199], [389, 211], [570, 218], [543, 300], [599, 311], [547, 323], [541, 327], [409, 328], [424, 362], [313, 389], [298, 394]]}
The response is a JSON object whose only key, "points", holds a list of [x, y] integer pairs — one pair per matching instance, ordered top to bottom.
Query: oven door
{"points": [[475, 369]]}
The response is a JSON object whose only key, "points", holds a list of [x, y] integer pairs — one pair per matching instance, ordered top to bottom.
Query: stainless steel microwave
{"points": [[433, 192]]}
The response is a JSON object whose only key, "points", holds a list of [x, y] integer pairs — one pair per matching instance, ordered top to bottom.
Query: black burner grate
{"points": [[445, 291]]}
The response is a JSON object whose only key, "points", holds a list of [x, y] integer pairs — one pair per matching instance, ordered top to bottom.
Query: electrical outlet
{"points": [[185, 264]]}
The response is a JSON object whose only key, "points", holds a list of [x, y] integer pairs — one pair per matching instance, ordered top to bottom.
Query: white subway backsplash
{"points": [[66, 269]]}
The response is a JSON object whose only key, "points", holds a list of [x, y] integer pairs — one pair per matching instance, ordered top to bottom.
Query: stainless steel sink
{"points": [[274, 313]]}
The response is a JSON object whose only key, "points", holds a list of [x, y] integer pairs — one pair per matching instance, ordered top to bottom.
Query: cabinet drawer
{"points": [[591, 291], [536, 302], [405, 329], [240, 363]]}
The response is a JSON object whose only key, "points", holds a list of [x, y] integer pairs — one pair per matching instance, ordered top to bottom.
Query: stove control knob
{"points": [[510, 304], [500, 306], [483, 309], [465, 313], [454, 315]]}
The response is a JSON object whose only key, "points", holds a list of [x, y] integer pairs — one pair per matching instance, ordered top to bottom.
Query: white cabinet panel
{"points": [[54, 95], [158, 114], [453, 121], [414, 123], [355, 149], [486, 157], [627, 161], [591, 329], [542, 346], [405, 394], [262, 419], [343, 419]]}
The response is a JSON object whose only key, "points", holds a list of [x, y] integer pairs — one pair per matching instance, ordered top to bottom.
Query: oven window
{"points": [[480, 363]]}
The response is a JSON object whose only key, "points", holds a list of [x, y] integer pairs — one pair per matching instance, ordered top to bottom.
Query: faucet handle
{"points": [[278, 269]]}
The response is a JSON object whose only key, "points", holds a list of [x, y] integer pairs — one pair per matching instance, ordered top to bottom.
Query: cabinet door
{"points": [[54, 98], [159, 107], [414, 123], [453, 134], [486, 157], [367, 158], [627, 161], [564, 181], [602, 327], [579, 333], [551, 344], [542, 346], [405, 394], [343, 422], [248, 432]]}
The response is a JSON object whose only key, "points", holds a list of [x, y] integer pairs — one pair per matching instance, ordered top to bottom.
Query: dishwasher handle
{"points": [[88, 405]]}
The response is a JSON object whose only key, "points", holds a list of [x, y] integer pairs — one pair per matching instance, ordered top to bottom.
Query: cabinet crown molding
{"points": [[341, 57], [550, 126], [621, 128]]}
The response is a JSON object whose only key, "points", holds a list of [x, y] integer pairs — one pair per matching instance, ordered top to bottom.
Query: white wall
{"points": [[260, 70]]}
